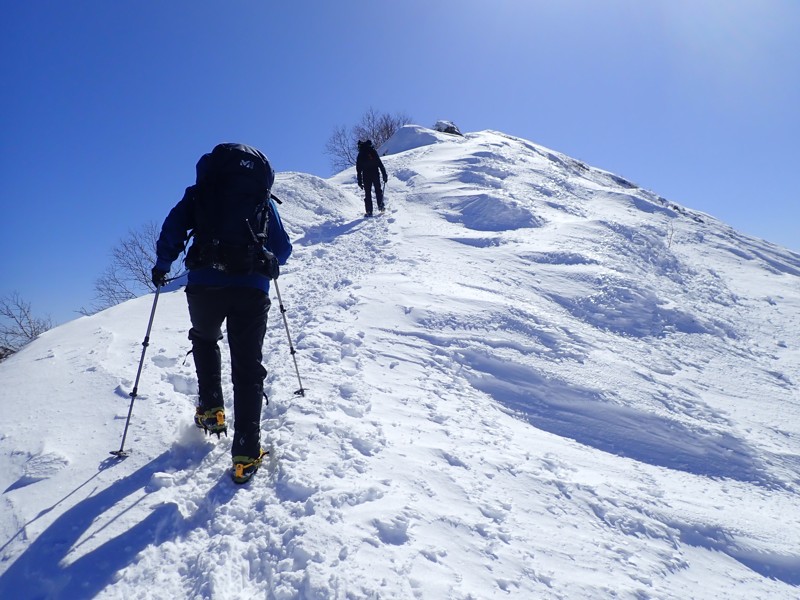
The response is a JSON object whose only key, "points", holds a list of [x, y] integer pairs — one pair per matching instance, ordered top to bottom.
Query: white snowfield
{"points": [[530, 378]]}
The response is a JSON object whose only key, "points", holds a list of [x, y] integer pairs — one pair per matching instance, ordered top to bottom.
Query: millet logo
{"points": [[247, 164]]}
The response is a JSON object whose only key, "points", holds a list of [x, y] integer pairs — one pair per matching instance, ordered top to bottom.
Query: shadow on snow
{"points": [[327, 232], [582, 414], [40, 571]]}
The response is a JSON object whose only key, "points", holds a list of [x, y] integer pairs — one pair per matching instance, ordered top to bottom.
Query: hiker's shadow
{"points": [[40, 572]]}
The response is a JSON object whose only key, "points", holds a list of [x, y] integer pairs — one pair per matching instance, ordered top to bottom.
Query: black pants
{"points": [[371, 179], [245, 310]]}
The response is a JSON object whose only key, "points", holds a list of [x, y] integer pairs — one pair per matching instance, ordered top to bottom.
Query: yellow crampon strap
{"points": [[220, 418], [239, 467]]}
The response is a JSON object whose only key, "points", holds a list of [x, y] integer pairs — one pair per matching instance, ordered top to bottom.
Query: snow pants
{"points": [[372, 179], [245, 310]]}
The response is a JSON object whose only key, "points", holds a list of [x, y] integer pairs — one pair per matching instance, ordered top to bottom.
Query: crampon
{"points": [[211, 421]]}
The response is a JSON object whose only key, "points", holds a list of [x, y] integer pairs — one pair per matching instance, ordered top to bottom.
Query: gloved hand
{"points": [[385, 178], [361, 185], [271, 267], [159, 276]]}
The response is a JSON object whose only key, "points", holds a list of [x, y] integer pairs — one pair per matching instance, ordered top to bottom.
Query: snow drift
{"points": [[530, 378]]}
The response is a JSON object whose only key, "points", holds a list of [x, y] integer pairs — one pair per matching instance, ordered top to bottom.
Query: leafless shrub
{"points": [[375, 126], [128, 274], [18, 325]]}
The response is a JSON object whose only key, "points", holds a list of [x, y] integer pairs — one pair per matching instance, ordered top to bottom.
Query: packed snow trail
{"points": [[528, 378]]}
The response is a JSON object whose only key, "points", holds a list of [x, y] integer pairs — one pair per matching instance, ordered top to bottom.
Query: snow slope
{"points": [[530, 378]]}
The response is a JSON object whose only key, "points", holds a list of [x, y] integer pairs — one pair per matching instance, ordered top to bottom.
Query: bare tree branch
{"points": [[375, 126], [342, 149], [128, 275], [18, 325]]}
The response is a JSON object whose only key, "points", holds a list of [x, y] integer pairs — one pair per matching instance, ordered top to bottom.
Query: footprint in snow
{"points": [[164, 362], [183, 384], [39, 467], [393, 531]]}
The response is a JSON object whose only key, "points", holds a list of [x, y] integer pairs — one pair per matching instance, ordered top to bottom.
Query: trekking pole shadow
{"points": [[45, 511], [39, 569], [44, 570]]}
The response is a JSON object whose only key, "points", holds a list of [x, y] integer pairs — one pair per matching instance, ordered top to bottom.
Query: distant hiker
{"points": [[368, 163], [239, 241]]}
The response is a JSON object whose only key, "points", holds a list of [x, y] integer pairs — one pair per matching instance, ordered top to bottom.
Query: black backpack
{"points": [[368, 154], [231, 210]]}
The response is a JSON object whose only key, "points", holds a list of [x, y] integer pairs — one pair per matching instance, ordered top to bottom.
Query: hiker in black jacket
{"points": [[368, 163]]}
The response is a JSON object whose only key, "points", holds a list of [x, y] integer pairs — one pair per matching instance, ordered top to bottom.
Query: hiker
{"points": [[368, 163], [239, 241]]}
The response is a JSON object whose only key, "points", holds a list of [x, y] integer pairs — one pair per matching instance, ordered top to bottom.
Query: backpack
{"points": [[368, 155], [231, 210]]}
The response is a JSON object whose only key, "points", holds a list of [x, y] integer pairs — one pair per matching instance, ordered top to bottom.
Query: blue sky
{"points": [[107, 105]]}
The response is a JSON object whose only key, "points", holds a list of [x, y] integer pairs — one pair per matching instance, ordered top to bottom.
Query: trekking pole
{"points": [[269, 256], [301, 391], [121, 452]]}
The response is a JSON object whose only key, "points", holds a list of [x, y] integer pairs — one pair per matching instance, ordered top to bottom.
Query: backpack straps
{"points": [[231, 207]]}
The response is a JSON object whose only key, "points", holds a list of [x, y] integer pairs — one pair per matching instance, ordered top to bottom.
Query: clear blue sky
{"points": [[106, 106]]}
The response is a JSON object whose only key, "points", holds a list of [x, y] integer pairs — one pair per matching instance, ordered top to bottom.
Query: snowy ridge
{"points": [[529, 378]]}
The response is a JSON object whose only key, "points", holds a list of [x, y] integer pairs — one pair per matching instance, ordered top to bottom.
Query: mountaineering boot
{"points": [[211, 421], [244, 467]]}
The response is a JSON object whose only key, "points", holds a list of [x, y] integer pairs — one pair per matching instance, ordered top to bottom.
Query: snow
{"points": [[410, 137], [530, 378]]}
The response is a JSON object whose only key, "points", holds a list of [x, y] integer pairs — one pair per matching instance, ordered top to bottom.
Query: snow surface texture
{"points": [[530, 378]]}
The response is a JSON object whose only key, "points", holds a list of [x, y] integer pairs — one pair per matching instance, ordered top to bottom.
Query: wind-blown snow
{"points": [[530, 379]]}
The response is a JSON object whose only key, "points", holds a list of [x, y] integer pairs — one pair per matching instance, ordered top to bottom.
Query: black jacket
{"points": [[368, 162]]}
